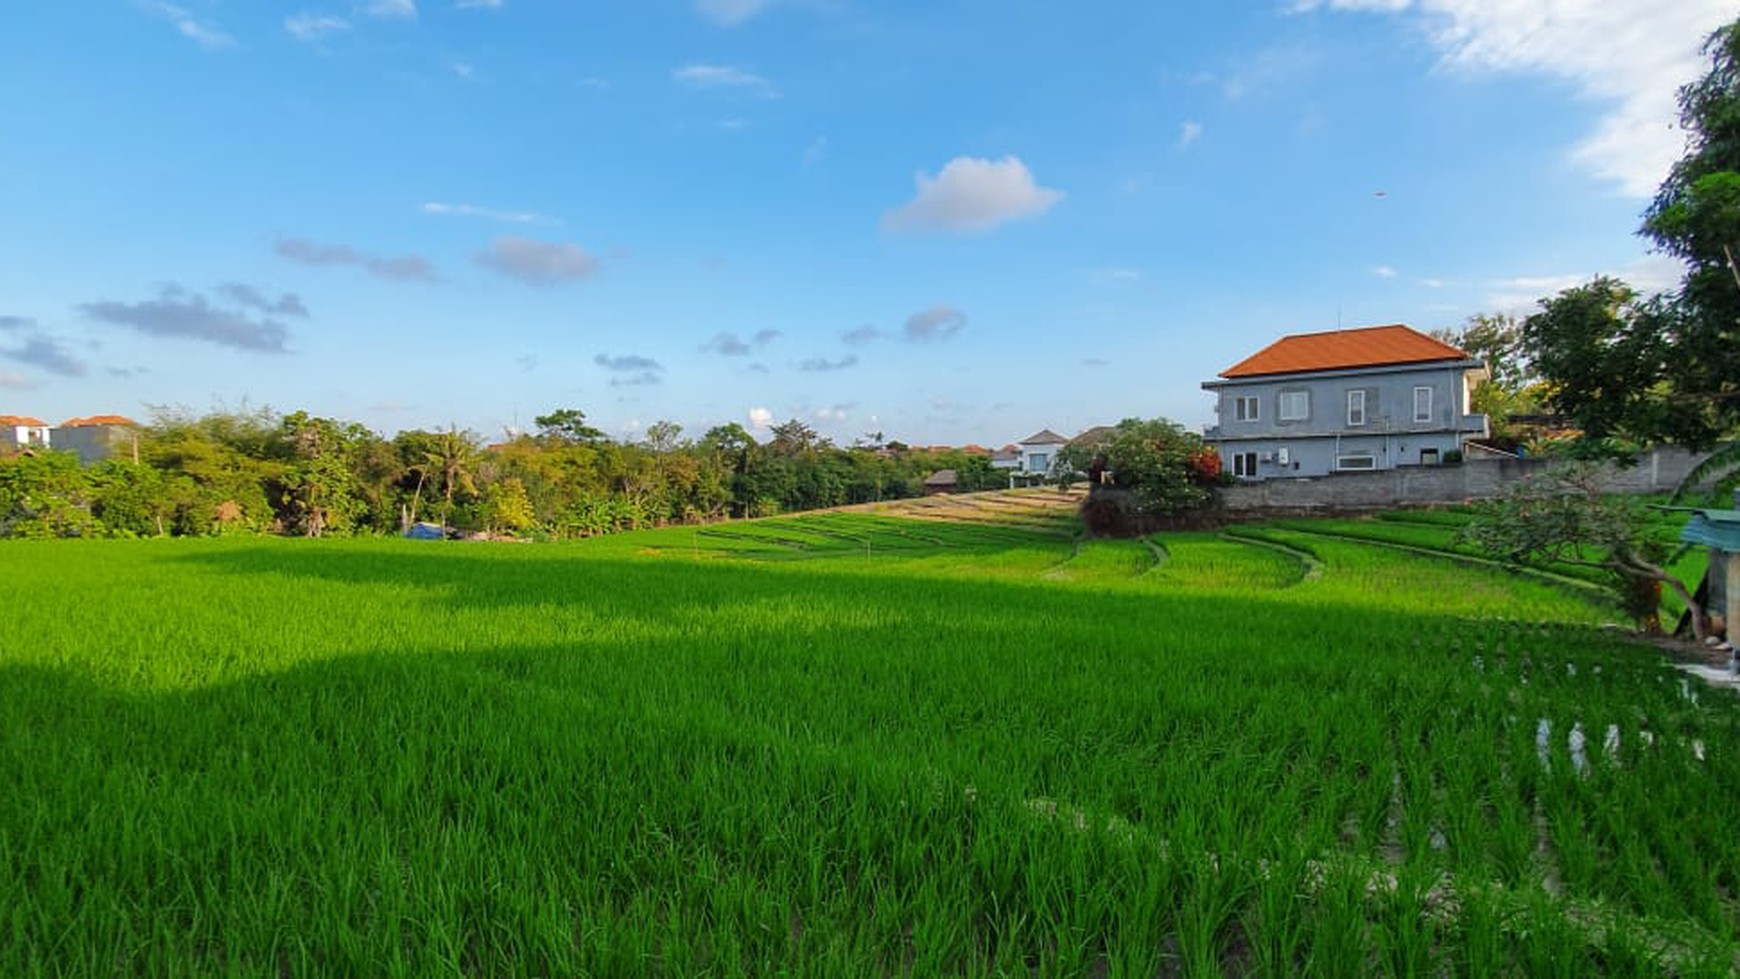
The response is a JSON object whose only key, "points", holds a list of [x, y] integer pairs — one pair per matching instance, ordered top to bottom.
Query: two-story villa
{"points": [[1378, 397]]}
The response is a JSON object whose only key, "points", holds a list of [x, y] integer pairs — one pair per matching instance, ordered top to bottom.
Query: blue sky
{"points": [[948, 222]]}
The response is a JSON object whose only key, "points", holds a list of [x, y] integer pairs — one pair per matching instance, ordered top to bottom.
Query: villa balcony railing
{"points": [[1463, 424]]}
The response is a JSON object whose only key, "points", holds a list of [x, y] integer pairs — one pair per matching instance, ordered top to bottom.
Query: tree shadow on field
{"points": [[556, 809]]}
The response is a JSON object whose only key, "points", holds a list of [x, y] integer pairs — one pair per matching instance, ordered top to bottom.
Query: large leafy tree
{"points": [[1696, 216], [1606, 353], [1665, 369], [1512, 387], [567, 425], [793, 437], [1158, 463], [322, 491], [1563, 516]]}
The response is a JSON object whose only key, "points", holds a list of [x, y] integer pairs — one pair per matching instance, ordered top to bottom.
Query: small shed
{"points": [[940, 482], [422, 530], [1719, 530]]}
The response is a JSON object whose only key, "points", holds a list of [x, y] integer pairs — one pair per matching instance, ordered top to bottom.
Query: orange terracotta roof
{"points": [[1370, 346], [98, 420], [13, 421]]}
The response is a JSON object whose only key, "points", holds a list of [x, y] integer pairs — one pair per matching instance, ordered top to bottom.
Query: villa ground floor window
{"points": [[1244, 464]]}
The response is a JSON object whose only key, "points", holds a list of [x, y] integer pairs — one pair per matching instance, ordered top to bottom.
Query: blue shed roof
{"points": [[1714, 528]]}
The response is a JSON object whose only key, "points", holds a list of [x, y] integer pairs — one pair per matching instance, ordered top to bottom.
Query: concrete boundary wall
{"points": [[1658, 471]]}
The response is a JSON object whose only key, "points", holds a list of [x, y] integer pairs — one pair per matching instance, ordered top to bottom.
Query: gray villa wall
{"points": [[1659, 471]]}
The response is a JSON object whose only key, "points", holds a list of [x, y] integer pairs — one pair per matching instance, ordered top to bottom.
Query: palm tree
{"points": [[450, 461]]}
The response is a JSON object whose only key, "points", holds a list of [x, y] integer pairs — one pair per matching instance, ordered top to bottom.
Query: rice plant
{"points": [[845, 743]]}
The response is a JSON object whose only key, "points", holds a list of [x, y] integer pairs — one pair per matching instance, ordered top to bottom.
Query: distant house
{"points": [[1378, 397], [23, 432], [1095, 435], [96, 438], [1037, 451], [1008, 457], [940, 482]]}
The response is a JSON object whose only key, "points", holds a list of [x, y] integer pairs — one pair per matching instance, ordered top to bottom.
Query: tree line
{"points": [[1624, 369], [1630, 370], [261, 472]]}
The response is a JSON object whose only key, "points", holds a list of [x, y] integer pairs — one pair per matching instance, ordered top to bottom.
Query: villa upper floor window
{"points": [[1422, 404], [1295, 406], [1355, 408], [1245, 409]]}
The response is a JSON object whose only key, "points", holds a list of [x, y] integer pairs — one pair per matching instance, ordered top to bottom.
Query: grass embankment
{"points": [[845, 743]]}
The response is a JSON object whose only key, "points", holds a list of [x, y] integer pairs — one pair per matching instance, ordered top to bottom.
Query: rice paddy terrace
{"points": [[940, 738]]}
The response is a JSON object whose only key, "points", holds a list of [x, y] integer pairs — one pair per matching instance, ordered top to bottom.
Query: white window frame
{"points": [[1281, 403], [1247, 408], [1356, 408], [1422, 417], [1361, 462], [1244, 465]]}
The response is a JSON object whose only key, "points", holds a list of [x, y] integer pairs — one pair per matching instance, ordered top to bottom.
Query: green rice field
{"points": [[947, 738]]}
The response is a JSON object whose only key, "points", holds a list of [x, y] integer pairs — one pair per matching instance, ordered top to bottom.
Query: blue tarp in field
{"points": [[425, 531]]}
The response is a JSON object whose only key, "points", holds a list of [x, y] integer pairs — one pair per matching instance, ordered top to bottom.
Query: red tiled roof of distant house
{"points": [[1371, 346], [98, 420], [21, 421]]}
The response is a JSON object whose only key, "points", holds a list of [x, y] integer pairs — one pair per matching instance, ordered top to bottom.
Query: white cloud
{"points": [[478, 4], [391, 8], [730, 13], [312, 27], [203, 34], [1631, 54], [463, 70], [1261, 72], [724, 77], [1189, 132], [814, 152], [972, 194], [473, 211], [538, 263], [387, 267], [1383, 271], [1520, 294], [182, 314], [935, 323], [857, 336], [728, 344], [823, 364], [631, 370], [14, 381], [759, 418]]}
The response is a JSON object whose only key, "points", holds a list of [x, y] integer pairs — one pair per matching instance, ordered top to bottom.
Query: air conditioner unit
{"points": [[1266, 457], [1281, 457]]}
